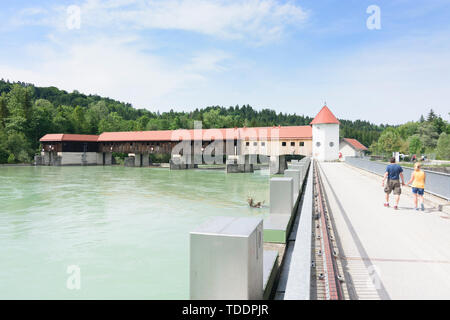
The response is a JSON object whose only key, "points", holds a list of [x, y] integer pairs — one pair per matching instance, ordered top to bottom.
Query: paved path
{"points": [[390, 254]]}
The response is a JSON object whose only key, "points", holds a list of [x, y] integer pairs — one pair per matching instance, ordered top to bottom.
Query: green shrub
{"points": [[160, 158], [11, 159]]}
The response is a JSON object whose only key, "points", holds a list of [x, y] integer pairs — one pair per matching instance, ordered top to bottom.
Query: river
{"points": [[125, 229]]}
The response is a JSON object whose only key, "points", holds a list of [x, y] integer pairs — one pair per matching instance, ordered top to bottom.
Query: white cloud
{"points": [[258, 21], [114, 68]]}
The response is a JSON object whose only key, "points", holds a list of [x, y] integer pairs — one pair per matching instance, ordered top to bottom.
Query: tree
{"points": [[4, 112], [431, 116], [78, 120], [408, 129], [428, 135], [390, 141], [415, 145], [443, 147]]}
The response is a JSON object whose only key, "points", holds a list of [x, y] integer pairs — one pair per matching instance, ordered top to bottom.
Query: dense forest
{"points": [[28, 112]]}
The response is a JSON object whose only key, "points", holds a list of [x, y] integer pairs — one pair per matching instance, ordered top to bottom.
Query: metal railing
{"points": [[437, 183]]}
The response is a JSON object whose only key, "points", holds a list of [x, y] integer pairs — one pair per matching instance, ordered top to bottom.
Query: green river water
{"points": [[127, 229]]}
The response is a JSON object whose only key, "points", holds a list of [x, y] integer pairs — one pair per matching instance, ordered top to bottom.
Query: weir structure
{"points": [[240, 149]]}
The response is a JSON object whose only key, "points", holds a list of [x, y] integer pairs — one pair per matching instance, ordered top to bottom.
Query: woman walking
{"points": [[418, 184]]}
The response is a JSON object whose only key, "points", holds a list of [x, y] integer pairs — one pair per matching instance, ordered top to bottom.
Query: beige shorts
{"points": [[393, 185]]}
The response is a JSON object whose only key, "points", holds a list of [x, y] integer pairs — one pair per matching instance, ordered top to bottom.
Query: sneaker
{"points": [[386, 204], [396, 207], [417, 209]]}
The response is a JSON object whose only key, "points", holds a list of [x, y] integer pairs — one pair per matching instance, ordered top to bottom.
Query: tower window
{"points": [[255, 143], [283, 143], [331, 143], [247, 144], [263, 144], [292, 144], [301, 144], [318, 144]]}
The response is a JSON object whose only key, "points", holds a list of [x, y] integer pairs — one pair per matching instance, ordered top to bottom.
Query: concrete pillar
{"points": [[46, 158], [99, 158], [108, 158], [145, 159], [138, 160], [129, 162], [176, 162], [239, 164], [277, 164], [300, 167], [295, 175], [281, 190], [226, 259]]}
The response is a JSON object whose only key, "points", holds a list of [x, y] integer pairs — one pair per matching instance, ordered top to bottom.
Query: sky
{"points": [[381, 61]]}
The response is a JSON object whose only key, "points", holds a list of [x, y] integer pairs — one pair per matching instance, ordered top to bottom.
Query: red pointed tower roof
{"points": [[325, 116]]}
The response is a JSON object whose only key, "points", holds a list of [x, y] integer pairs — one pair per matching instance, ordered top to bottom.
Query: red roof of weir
{"points": [[325, 116], [292, 132], [69, 137], [356, 144]]}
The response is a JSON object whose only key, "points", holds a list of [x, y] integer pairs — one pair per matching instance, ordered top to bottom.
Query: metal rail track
{"points": [[329, 281]]}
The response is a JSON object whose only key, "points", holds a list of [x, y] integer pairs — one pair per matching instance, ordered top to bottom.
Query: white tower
{"points": [[325, 136]]}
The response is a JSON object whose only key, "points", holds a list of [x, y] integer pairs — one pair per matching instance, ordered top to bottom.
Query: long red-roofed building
{"points": [[75, 149]]}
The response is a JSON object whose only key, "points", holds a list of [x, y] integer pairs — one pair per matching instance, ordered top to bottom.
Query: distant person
{"points": [[414, 158], [393, 174], [418, 184]]}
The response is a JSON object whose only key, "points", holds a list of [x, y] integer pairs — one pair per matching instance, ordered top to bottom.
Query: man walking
{"points": [[393, 174]]}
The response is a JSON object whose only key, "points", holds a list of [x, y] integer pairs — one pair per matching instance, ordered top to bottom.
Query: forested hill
{"points": [[28, 112]]}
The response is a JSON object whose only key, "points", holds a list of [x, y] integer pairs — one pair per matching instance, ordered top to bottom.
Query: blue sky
{"points": [[290, 56]]}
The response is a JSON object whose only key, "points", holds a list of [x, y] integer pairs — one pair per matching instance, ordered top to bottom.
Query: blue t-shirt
{"points": [[394, 171]]}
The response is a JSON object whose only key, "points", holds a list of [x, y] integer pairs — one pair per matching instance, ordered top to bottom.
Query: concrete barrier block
{"points": [[295, 175], [281, 190], [276, 227], [226, 259]]}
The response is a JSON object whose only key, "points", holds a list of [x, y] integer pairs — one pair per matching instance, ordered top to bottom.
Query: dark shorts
{"points": [[393, 186], [418, 191]]}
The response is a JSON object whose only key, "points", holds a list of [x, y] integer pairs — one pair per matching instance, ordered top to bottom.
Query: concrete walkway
{"points": [[389, 254]]}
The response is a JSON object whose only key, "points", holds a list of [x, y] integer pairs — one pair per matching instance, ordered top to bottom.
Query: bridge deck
{"points": [[389, 254]]}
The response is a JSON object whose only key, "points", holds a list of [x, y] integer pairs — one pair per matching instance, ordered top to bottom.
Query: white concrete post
{"points": [[295, 175], [281, 190], [226, 259]]}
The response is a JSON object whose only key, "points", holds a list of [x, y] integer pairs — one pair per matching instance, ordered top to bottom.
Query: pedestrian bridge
{"points": [[340, 242]]}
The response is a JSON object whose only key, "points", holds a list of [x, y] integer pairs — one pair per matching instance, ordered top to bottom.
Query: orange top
{"points": [[419, 179]]}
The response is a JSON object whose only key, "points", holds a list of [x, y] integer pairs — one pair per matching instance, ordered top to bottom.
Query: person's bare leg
{"points": [[387, 198], [397, 199], [415, 200], [421, 201]]}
